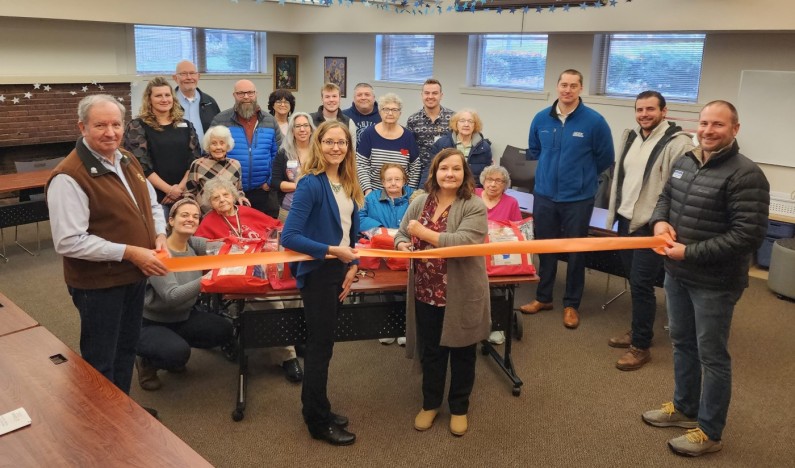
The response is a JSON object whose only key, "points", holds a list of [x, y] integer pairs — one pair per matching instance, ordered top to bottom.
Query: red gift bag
{"points": [[386, 240], [368, 263], [510, 264], [280, 277], [242, 279]]}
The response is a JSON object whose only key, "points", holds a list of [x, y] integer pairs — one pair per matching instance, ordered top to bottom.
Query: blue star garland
{"points": [[430, 7]]}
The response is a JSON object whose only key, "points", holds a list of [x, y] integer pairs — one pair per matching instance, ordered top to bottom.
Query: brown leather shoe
{"points": [[535, 307], [570, 317], [623, 341], [633, 359]]}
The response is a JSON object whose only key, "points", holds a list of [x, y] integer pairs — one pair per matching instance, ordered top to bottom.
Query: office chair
{"points": [[522, 171], [35, 194]]}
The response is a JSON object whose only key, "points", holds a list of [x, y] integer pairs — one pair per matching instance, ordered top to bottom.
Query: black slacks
{"points": [[321, 306], [434, 358]]}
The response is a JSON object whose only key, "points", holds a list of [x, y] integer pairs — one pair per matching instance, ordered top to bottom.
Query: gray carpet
{"points": [[575, 409]]}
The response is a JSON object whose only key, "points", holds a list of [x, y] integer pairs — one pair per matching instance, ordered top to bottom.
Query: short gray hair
{"points": [[390, 97], [88, 102], [219, 131], [496, 169], [215, 184]]}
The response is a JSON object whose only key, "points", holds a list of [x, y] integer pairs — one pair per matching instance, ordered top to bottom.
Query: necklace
{"points": [[335, 187], [236, 232]]}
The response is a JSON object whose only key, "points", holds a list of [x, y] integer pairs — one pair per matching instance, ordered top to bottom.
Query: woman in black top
{"points": [[163, 141]]}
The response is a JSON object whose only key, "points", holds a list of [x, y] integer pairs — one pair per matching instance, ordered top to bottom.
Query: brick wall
{"points": [[48, 116], [44, 125]]}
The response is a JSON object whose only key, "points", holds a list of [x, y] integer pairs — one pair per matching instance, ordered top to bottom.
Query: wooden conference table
{"points": [[23, 180], [375, 309], [13, 319], [79, 418]]}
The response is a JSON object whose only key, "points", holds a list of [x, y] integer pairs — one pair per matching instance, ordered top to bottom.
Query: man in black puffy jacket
{"points": [[714, 207]]}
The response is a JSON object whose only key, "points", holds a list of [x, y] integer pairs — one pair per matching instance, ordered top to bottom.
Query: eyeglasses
{"points": [[185, 74], [245, 93], [283, 102], [391, 110], [466, 121], [300, 126], [331, 143], [398, 180], [489, 180]]}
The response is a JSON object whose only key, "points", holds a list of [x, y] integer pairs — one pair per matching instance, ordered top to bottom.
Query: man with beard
{"points": [[429, 123], [257, 139], [643, 168]]}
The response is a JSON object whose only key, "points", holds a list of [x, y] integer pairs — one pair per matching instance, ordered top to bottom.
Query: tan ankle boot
{"points": [[147, 375]]}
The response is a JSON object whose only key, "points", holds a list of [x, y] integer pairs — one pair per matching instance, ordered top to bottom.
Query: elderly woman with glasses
{"points": [[281, 105], [465, 136], [217, 142], [387, 142], [294, 152], [500, 207]]}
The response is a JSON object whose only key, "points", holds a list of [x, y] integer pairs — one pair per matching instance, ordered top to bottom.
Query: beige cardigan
{"points": [[467, 317]]}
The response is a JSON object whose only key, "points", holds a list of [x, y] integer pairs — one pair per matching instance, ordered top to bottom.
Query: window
{"points": [[159, 48], [404, 58], [512, 61], [668, 63]]}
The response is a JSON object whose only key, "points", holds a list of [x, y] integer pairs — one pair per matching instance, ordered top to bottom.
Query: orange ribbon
{"points": [[584, 244]]}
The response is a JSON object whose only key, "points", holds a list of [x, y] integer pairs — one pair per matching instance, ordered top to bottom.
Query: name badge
{"points": [[182, 125], [578, 135], [292, 164], [677, 174]]}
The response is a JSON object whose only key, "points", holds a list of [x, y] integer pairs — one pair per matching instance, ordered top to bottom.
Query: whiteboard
{"points": [[765, 104]]}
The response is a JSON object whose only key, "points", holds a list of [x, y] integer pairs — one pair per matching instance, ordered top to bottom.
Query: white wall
{"points": [[34, 50]]}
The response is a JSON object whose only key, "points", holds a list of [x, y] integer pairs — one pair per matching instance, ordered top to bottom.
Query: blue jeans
{"points": [[554, 220], [644, 266], [700, 320], [110, 323], [167, 345]]}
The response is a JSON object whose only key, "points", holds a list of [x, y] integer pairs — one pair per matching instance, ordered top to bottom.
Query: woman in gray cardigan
{"points": [[172, 324], [442, 327]]}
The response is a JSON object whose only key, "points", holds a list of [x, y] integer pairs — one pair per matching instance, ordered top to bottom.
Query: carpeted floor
{"points": [[575, 409]]}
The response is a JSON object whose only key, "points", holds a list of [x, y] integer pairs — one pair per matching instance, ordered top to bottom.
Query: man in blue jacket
{"points": [[257, 139], [573, 145]]}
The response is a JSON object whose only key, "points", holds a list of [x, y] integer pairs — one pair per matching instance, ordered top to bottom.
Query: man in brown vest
{"points": [[107, 224]]}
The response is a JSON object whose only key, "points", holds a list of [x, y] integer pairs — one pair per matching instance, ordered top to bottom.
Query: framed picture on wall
{"points": [[335, 70], [285, 72]]}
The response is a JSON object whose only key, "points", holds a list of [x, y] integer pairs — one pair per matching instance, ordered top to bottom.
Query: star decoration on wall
{"points": [[583, 6], [94, 83], [36, 85], [47, 87], [101, 88], [85, 89], [72, 92], [28, 95], [2, 98], [121, 99], [15, 100]]}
